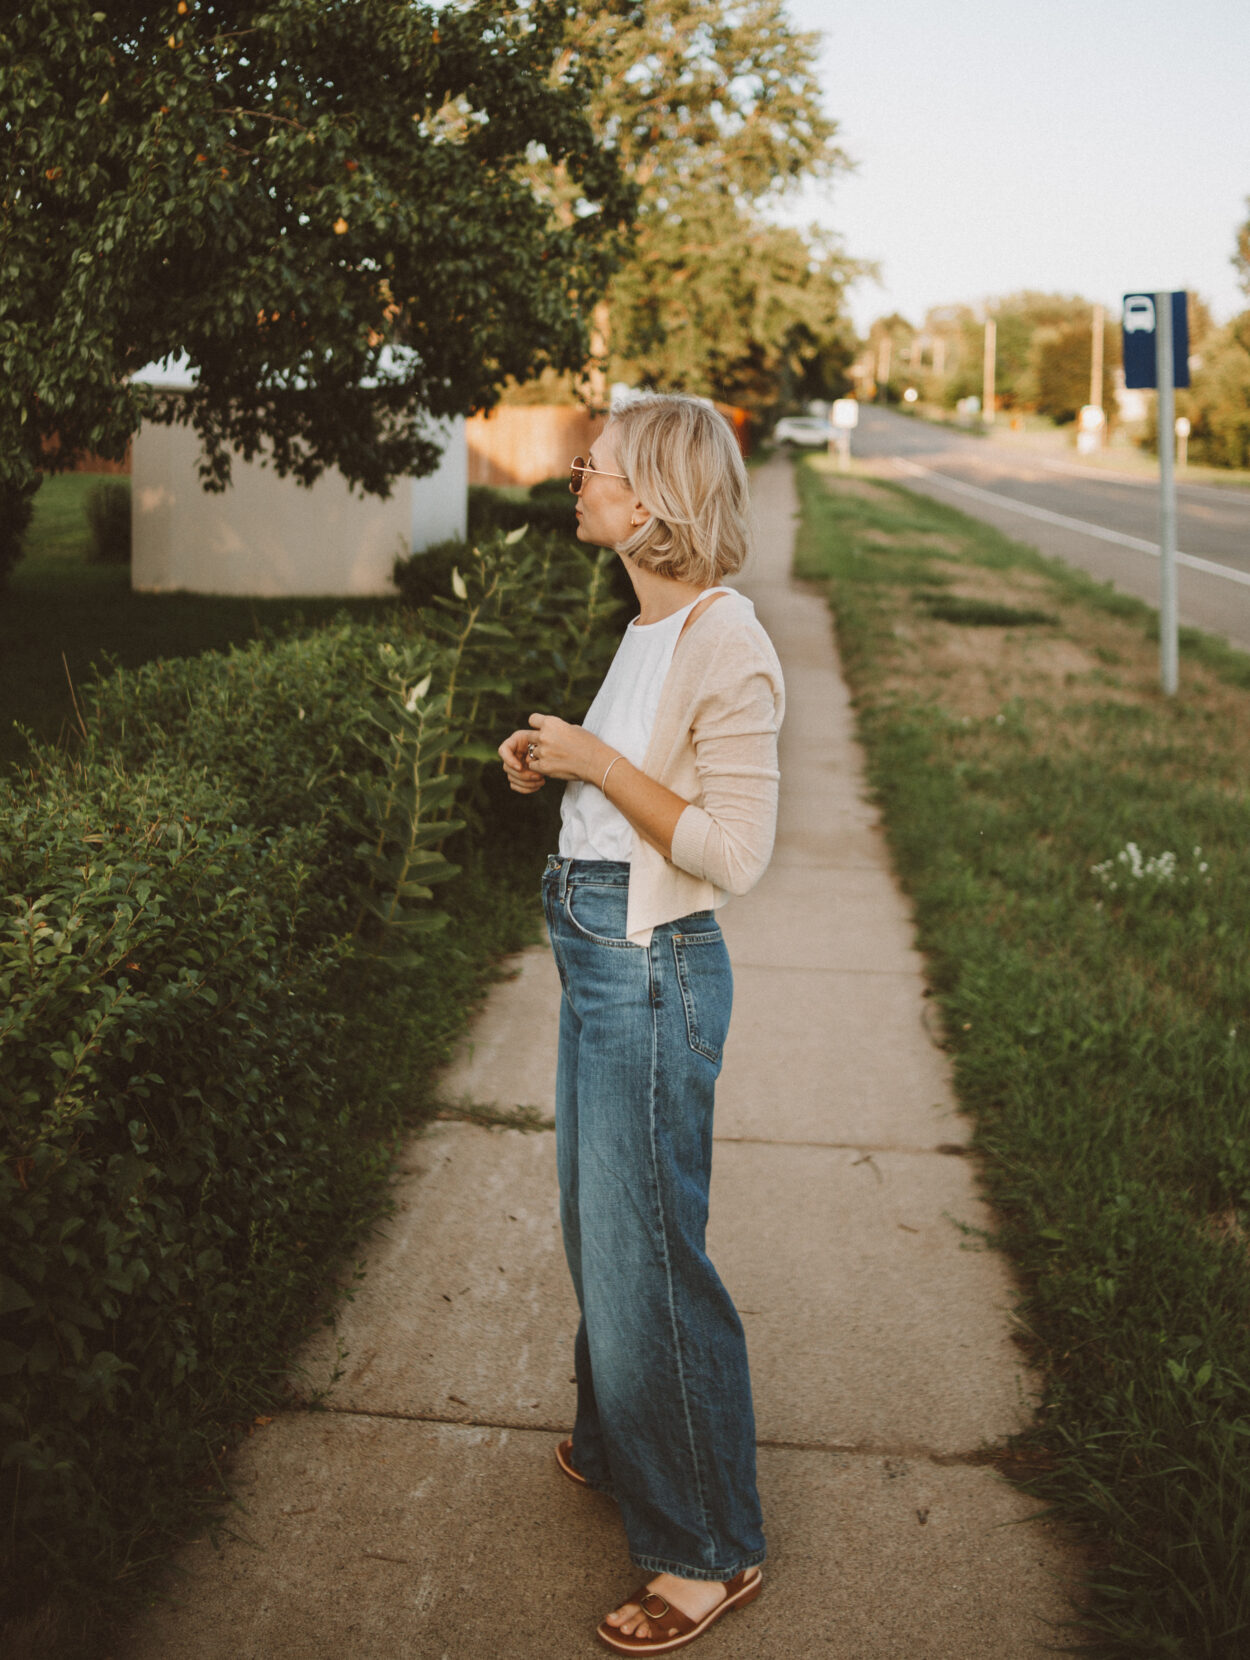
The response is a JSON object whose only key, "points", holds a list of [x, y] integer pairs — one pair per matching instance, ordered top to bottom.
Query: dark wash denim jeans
{"points": [[664, 1417]]}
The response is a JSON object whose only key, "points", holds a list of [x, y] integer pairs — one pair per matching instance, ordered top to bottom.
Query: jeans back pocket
{"points": [[706, 982]]}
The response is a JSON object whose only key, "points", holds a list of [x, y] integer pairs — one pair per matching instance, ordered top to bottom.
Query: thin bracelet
{"points": [[603, 788]]}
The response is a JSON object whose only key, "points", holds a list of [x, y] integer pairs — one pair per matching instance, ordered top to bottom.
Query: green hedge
{"points": [[16, 508], [108, 521], [224, 977], [171, 1113]]}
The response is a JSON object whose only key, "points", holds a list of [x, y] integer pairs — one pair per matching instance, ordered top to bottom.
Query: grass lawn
{"points": [[59, 602], [1075, 847]]}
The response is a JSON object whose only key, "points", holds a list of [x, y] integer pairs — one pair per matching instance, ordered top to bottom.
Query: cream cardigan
{"points": [[714, 743]]}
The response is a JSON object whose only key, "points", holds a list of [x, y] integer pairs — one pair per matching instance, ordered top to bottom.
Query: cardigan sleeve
{"points": [[726, 836]]}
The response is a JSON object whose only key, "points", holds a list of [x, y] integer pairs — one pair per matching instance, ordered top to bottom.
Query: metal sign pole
{"points": [[1167, 495]]}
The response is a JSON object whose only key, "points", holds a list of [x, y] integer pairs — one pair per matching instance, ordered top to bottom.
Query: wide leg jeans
{"points": [[664, 1417]]}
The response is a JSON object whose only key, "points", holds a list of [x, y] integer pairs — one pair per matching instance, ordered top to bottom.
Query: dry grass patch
{"points": [[851, 484], [932, 541]]}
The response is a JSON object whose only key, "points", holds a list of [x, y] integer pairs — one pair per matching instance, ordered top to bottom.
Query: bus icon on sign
{"points": [[1139, 313]]}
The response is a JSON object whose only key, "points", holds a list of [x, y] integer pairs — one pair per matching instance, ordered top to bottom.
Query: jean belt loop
{"points": [[564, 879]]}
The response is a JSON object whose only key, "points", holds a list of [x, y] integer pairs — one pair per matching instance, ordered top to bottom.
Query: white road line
{"points": [[1106, 475], [1085, 528]]}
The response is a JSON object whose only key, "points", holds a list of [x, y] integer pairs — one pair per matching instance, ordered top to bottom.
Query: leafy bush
{"points": [[17, 503], [548, 509], [108, 521], [421, 577], [222, 986], [173, 1133]]}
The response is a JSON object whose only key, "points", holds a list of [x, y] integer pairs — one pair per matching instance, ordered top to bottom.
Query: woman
{"points": [[670, 805]]}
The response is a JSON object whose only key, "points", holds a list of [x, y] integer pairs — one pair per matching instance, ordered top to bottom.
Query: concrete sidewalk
{"points": [[422, 1514]]}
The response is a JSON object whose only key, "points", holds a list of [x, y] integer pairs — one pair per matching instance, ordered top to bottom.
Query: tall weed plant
{"points": [[243, 924]]}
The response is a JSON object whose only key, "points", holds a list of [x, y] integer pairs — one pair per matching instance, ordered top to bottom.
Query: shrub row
{"points": [[222, 946]]}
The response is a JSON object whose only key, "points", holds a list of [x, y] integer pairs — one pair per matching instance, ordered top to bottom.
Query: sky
{"points": [[1092, 147]]}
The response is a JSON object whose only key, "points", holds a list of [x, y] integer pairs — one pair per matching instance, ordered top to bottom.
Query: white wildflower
{"points": [[417, 693], [1159, 869]]}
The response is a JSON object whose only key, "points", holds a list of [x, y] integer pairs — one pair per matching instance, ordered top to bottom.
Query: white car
{"points": [[1139, 313], [804, 429]]}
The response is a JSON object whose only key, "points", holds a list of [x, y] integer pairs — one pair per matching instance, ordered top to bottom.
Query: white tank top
{"points": [[623, 715]]}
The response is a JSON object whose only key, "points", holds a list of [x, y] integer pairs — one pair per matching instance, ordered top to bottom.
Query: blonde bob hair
{"points": [[682, 461]]}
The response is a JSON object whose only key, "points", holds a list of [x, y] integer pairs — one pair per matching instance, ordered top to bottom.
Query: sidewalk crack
{"points": [[1003, 1457]]}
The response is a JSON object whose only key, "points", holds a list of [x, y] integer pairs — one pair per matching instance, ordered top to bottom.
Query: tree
{"points": [[715, 109], [282, 192], [1241, 254], [1041, 342], [890, 344], [1060, 365], [1218, 403]]}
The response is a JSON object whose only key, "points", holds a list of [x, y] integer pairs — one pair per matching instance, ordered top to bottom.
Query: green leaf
{"points": [[13, 1297]]}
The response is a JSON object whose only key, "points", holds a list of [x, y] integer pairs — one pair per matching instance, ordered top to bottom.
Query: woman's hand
{"points": [[554, 748], [516, 764]]}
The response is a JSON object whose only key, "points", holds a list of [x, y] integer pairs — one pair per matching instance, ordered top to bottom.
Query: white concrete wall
{"points": [[440, 503], [269, 537]]}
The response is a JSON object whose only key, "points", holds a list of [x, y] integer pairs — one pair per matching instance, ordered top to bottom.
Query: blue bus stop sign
{"points": [[1139, 340]]}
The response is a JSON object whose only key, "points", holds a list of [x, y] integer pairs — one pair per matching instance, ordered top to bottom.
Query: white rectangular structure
{"points": [[271, 537]]}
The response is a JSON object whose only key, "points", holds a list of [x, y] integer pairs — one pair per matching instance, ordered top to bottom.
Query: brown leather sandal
{"points": [[564, 1458], [670, 1628]]}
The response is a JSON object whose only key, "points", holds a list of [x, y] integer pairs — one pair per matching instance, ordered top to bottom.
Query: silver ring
{"points": [[531, 753]]}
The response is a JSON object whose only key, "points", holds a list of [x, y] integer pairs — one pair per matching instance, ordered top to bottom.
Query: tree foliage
{"points": [[716, 109], [281, 192], [1241, 254], [1043, 352], [1060, 367], [1218, 402]]}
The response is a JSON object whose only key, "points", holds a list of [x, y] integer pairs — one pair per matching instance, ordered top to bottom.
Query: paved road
{"points": [[1106, 524]]}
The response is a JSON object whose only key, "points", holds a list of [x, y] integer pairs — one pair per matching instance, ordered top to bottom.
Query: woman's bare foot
{"points": [[694, 1597]]}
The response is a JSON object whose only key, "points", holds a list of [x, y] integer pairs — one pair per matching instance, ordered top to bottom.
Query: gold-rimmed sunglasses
{"points": [[579, 469]]}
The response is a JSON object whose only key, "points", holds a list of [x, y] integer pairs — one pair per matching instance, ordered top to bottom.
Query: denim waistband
{"points": [[600, 873]]}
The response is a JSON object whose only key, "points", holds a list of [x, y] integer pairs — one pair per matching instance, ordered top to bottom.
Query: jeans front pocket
{"points": [[597, 911], [706, 982]]}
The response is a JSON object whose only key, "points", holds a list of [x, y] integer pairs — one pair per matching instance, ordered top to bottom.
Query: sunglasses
{"points": [[579, 469]]}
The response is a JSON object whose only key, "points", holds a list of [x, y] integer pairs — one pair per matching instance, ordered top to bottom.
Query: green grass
{"points": [[58, 602], [1096, 1018]]}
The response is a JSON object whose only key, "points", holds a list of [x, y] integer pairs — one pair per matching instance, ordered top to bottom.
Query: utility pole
{"points": [[939, 354], [1156, 354], [883, 360], [1095, 367], [987, 380], [1166, 412]]}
